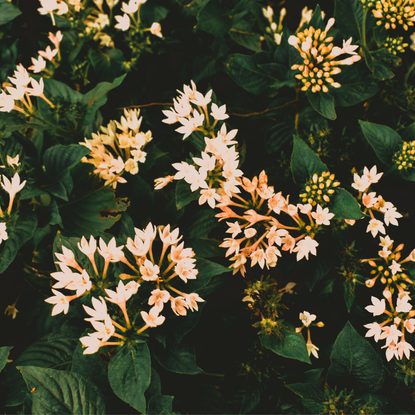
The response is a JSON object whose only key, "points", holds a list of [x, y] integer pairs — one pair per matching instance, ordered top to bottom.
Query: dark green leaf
{"points": [[8, 12], [151, 12], [349, 17], [214, 18], [106, 63], [244, 70], [381, 71], [356, 86], [323, 103], [383, 140], [58, 161], [304, 162], [184, 195], [345, 206], [22, 231], [204, 247], [349, 295], [287, 344], [4, 353], [42, 353], [354, 360], [129, 374], [58, 392], [312, 396], [250, 402], [160, 404]]}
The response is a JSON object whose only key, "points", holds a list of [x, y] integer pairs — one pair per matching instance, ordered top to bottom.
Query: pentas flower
{"points": [[12, 187], [322, 216], [375, 226], [3, 233], [304, 247], [149, 271], [158, 298], [61, 302], [378, 306], [99, 310], [307, 318], [152, 319], [312, 349]]}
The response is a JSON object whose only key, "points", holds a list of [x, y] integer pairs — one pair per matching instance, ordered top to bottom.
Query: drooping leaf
{"points": [[8, 12], [323, 103], [384, 141], [304, 162], [345, 206], [18, 235], [287, 343], [354, 360], [129, 374], [60, 392]]}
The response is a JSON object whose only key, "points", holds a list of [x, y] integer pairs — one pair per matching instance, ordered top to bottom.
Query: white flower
{"points": [[123, 22], [155, 29], [38, 65], [6, 102], [219, 113], [372, 176], [360, 183], [322, 216], [390, 216], [375, 226], [3, 232], [304, 247], [395, 267], [149, 271], [61, 303], [378, 306], [307, 318], [152, 319], [374, 330], [391, 334], [311, 348]]}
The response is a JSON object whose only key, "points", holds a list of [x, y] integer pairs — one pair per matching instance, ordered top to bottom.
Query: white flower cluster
{"points": [[127, 144], [216, 172], [371, 202], [179, 263], [402, 322]]}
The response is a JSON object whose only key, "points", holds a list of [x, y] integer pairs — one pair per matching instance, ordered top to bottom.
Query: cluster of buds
{"points": [[367, 4], [395, 12], [274, 29], [395, 45], [319, 57], [39, 64], [18, 92], [113, 153], [405, 157], [216, 172], [319, 189], [372, 203], [261, 233], [391, 272], [153, 274], [263, 298], [307, 320], [402, 321]]}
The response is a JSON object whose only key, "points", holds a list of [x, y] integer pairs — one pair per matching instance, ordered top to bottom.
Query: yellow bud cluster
{"points": [[367, 4], [395, 12], [395, 45], [319, 57], [405, 158], [319, 189]]}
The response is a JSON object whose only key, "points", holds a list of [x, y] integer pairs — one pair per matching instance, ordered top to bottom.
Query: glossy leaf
{"points": [[8, 12], [349, 16], [214, 18], [323, 103], [345, 206]]}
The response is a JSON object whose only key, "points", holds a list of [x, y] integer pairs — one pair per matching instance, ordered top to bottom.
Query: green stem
{"points": [[363, 34]]}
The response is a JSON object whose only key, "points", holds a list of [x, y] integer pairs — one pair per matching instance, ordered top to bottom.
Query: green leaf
{"points": [[8, 12], [151, 12], [349, 17], [214, 18], [251, 41], [106, 63], [244, 70], [381, 71], [356, 86], [97, 97], [323, 103], [13, 121], [384, 141], [58, 161], [304, 162], [184, 195], [345, 206], [90, 209], [200, 223], [22, 231], [204, 247], [349, 294], [287, 344], [4, 353], [43, 353], [178, 358], [353, 359], [129, 374], [58, 392], [312, 396], [250, 402], [160, 404]]}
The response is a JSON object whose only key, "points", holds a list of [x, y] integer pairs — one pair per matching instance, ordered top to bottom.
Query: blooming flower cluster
{"points": [[394, 12], [319, 57], [39, 64], [18, 92], [114, 152], [405, 157], [216, 171], [319, 189], [372, 203], [261, 234], [152, 274], [401, 319], [307, 320]]}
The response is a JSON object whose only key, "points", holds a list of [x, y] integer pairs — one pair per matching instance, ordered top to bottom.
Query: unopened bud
{"points": [[320, 324]]}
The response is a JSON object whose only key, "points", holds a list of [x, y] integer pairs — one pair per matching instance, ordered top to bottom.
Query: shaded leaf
{"points": [[8, 12], [349, 16], [214, 18], [323, 103], [4, 352]]}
